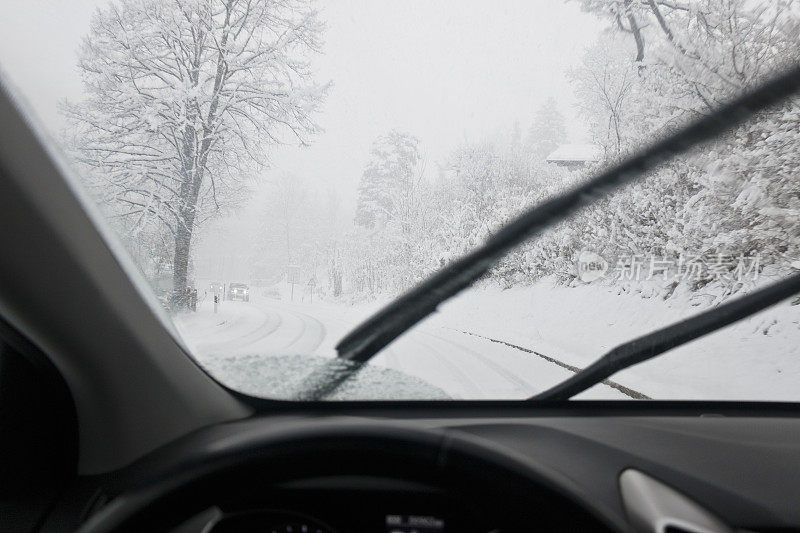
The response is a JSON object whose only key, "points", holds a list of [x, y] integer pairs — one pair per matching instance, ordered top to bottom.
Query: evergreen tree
{"points": [[548, 130]]}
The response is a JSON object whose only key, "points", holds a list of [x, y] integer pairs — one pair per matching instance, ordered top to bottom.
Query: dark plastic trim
{"points": [[521, 407]]}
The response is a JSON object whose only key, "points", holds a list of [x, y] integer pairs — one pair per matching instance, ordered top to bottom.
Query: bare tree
{"points": [[605, 84], [183, 96]]}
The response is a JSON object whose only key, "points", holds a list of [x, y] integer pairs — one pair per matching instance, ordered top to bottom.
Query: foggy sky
{"points": [[445, 71]]}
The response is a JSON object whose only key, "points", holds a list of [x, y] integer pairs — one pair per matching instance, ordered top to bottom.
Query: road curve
{"points": [[464, 366]]}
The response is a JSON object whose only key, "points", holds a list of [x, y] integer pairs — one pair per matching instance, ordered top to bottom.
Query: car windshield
{"points": [[280, 170]]}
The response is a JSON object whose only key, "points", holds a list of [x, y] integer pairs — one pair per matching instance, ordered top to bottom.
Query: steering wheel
{"points": [[220, 465]]}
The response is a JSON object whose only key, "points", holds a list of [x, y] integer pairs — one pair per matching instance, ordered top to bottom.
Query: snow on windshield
{"points": [[280, 170]]}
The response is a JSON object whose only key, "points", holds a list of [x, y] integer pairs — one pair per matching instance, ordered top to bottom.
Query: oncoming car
{"points": [[239, 291]]}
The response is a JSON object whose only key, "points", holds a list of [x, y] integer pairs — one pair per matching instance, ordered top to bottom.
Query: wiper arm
{"points": [[391, 321], [656, 343], [360, 345]]}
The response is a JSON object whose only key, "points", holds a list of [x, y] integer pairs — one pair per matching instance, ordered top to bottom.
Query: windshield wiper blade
{"points": [[391, 321], [656, 343], [361, 344]]}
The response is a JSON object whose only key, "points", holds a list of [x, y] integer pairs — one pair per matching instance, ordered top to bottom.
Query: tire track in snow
{"points": [[308, 323], [268, 324], [425, 351], [522, 385], [472, 388], [636, 395]]}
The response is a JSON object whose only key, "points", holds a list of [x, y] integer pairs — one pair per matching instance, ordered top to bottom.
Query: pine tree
{"points": [[548, 130]]}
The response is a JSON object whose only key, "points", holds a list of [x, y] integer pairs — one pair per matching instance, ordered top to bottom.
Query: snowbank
{"points": [[754, 359]]}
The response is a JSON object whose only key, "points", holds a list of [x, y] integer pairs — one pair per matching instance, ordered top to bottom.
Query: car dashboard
{"points": [[431, 469]]}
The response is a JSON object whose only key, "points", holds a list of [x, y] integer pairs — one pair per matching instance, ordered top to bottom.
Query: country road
{"points": [[464, 366]]}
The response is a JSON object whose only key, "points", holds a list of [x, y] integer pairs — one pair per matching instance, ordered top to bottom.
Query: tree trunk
{"points": [[635, 30], [183, 239]]}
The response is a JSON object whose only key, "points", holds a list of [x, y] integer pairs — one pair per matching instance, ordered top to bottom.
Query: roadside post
{"points": [[292, 276], [311, 283], [216, 303]]}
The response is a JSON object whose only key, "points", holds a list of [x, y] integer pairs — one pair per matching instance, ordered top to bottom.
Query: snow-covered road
{"points": [[463, 366]]}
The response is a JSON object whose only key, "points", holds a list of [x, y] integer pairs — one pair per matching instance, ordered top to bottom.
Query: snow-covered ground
{"points": [[246, 340], [255, 346], [757, 358]]}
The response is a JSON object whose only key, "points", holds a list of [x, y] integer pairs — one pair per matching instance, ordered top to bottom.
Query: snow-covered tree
{"points": [[714, 48], [606, 84], [182, 99], [547, 131], [389, 181], [735, 197], [390, 215]]}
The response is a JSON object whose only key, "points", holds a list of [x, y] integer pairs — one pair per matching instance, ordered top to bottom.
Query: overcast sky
{"points": [[445, 71]]}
